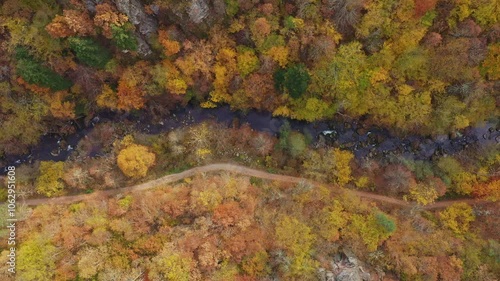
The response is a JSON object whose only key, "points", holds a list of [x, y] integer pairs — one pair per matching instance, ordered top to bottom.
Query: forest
{"points": [[428, 68], [227, 227]]}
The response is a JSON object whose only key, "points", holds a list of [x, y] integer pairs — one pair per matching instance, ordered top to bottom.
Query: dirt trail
{"points": [[234, 169]]}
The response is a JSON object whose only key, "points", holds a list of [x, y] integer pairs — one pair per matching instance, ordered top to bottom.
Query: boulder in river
{"points": [[361, 131], [441, 138], [415, 145]]}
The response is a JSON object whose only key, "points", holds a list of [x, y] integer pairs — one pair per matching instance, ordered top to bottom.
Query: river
{"points": [[362, 141]]}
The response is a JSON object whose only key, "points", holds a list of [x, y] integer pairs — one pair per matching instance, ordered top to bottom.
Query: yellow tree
{"points": [[279, 54], [247, 62], [491, 65], [224, 70], [108, 98], [60, 108], [135, 160], [333, 164], [342, 168], [50, 183], [423, 194], [457, 218], [330, 220], [371, 229], [297, 238], [36, 260], [170, 265]]}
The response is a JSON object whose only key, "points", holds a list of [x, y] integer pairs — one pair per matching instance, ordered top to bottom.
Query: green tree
{"points": [[232, 7], [124, 37], [89, 52], [33, 72], [345, 77], [293, 80], [296, 143], [49, 182], [387, 224]]}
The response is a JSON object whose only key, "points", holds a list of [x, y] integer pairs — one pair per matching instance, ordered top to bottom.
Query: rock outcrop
{"points": [[137, 15], [146, 24], [345, 267]]}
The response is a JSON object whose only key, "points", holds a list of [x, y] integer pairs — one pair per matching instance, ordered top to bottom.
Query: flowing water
{"points": [[362, 141]]}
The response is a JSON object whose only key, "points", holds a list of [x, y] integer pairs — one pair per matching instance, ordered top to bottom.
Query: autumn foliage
{"points": [[71, 23], [135, 160]]}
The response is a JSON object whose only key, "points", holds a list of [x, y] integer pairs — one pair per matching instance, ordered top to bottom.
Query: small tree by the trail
{"points": [[135, 160], [331, 164], [342, 168], [50, 183], [422, 193], [457, 218], [371, 229]]}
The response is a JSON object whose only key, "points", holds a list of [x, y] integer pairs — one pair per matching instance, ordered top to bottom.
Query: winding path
{"points": [[238, 170]]}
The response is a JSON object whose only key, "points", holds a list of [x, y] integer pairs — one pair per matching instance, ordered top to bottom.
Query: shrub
{"points": [[387, 224]]}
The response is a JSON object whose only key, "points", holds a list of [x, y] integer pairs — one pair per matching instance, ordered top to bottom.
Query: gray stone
{"points": [[90, 5], [198, 10], [137, 16], [143, 48], [322, 274], [349, 274], [330, 276]]}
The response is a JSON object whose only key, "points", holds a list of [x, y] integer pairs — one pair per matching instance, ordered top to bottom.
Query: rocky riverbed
{"points": [[364, 142]]}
